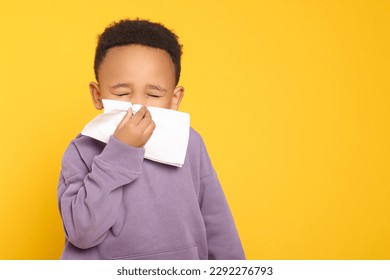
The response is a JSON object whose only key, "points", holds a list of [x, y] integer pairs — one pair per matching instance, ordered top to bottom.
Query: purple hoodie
{"points": [[116, 205]]}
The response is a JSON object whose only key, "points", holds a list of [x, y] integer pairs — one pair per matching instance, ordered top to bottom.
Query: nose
{"points": [[138, 99]]}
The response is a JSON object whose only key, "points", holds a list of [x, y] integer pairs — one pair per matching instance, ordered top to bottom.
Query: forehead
{"points": [[137, 60]]}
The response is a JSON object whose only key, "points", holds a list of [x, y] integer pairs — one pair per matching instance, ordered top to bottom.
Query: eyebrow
{"points": [[119, 85], [127, 85], [156, 87]]}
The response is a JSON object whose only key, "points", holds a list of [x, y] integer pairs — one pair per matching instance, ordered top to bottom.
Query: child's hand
{"points": [[135, 130]]}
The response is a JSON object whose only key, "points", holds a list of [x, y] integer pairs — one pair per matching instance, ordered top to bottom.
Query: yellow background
{"points": [[291, 98]]}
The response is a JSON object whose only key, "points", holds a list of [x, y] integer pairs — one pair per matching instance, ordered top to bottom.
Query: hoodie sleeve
{"points": [[89, 197], [222, 236]]}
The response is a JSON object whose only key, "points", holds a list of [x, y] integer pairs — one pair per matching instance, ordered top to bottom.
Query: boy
{"points": [[115, 204]]}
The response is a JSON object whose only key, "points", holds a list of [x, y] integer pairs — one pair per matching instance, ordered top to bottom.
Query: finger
{"points": [[126, 117], [137, 117], [145, 122], [149, 130]]}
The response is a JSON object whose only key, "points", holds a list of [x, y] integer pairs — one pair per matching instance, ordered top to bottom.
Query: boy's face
{"points": [[137, 74]]}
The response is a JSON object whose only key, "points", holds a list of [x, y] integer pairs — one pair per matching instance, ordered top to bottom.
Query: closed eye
{"points": [[122, 94], [154, 95]]}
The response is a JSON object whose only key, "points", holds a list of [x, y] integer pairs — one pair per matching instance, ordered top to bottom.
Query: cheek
{"points": [[105, 94], [159, 102], [164, 102]]}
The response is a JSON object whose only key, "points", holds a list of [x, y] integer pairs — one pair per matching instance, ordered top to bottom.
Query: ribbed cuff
{"points": [[120, 155]]}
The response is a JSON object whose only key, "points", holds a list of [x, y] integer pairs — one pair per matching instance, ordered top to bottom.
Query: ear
{"points": [[178, 94], [96, 95]]}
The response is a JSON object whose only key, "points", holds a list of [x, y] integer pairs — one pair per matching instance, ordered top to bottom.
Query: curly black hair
{"points": [[142, 32]]}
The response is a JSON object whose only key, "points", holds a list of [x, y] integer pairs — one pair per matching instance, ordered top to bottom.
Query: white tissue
{"points": [[169, 141]]}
